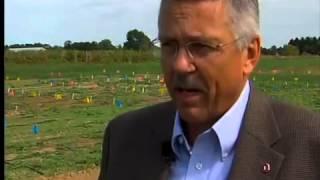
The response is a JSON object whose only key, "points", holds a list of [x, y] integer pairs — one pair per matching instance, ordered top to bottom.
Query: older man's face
{"points": [[205, 86]]}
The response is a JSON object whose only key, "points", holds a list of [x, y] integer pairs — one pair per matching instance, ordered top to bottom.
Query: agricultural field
{"points": [[55, 114]]}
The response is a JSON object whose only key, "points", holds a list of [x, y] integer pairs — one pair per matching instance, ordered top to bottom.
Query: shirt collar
{"points": [[226, 128], [178, 136]]}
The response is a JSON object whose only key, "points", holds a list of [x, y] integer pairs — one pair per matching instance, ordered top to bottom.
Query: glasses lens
{"points": [[156, 48], [168, 49], [201, 50]]}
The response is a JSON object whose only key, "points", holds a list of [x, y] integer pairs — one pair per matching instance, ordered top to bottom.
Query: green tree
{"points": [[137, 40], [67, 44], [106, 44], [318, 46], [273, 50], [290, 50]]}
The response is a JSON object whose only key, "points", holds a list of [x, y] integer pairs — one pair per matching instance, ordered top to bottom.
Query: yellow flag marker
{"points": [[18, 78], [273, 78], [296, 79], [133, 89], [162, 91], [34, 94], [58, 96], [88, 99], [114, 101]]}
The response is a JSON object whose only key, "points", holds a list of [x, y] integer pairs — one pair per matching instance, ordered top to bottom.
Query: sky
{"points": [[55, 21]]}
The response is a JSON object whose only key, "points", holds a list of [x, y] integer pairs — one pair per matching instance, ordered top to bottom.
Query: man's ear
{"points": [[252, 55]]}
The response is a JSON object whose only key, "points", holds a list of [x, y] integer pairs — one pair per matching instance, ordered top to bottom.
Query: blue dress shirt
{"points": [[211, 156]]}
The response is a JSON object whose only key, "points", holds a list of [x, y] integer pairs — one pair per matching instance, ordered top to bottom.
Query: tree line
{"points": [[136, 40], [139, 41], [295, 47]]}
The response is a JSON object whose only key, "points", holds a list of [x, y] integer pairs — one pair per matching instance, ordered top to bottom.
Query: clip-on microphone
{"points": [[167, 152]]}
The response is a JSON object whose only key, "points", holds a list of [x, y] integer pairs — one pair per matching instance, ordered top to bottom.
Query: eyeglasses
{"points": [[194, 49]]}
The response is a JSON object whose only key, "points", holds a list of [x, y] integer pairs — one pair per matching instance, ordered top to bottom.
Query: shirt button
{"points": [[180, 139], [224, 156], [199, 166]]}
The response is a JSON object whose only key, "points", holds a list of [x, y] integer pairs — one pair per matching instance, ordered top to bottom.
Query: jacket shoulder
{"points": [[296, 116], [297, 122], [299, 142]]}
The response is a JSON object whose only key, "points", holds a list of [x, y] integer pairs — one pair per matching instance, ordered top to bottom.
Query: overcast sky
{"points": [[55, 21]]}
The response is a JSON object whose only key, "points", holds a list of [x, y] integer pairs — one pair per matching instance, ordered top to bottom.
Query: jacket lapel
{"points": [[161, 135], [254, 156]]}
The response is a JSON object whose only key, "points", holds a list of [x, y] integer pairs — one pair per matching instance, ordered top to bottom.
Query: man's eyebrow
{"points": [[166, 38], [191, 38], [204, 39]]}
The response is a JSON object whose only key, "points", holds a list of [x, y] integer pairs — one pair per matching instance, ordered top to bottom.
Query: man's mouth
{"points": [[187, 90], [188, 96]]}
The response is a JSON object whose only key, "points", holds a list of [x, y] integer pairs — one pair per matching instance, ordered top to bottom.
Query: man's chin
{"points": [[188, 98], [191, 114]]}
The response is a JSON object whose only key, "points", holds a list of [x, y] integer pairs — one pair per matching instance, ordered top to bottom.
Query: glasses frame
{"points": [[215, 48]]}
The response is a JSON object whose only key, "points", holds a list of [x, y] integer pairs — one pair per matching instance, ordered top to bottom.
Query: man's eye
{"points": [[167, 44], [199, 46], [168, 48], [201, 50]]}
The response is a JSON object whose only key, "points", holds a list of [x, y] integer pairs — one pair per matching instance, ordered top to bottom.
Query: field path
{"points": [[88, 174]]}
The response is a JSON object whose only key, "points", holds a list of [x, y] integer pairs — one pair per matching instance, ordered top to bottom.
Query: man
{"points": [[217, 126]]}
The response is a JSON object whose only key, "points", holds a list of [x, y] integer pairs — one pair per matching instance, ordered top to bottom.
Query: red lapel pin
{"points": [[266, 168]]}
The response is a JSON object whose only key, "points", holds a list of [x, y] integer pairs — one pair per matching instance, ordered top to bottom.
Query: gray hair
{"points": [[244, 18]]}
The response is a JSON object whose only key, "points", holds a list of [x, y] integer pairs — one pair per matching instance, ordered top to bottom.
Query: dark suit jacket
{"points": [[284, 136]]}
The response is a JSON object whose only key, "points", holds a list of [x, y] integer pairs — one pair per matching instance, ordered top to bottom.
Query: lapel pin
{"points": [[266, 168]]}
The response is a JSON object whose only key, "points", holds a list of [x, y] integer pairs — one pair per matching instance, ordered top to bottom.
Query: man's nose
{"points": [[182, 63]]}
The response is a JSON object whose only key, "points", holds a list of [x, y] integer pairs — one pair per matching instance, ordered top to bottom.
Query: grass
{"points": [[43, 71], [71, 130]]}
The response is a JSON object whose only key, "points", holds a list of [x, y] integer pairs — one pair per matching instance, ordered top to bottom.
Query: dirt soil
{"points": [[88, 174]]}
